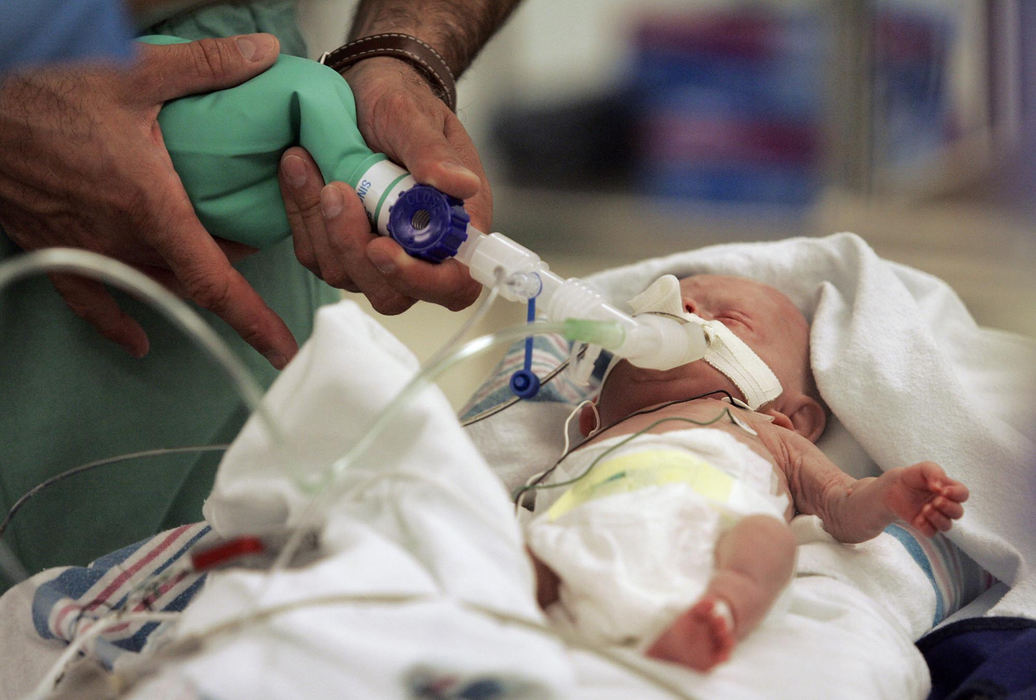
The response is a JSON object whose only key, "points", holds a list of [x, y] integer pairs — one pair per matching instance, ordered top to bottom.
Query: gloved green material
{"points": [[226, 145]]}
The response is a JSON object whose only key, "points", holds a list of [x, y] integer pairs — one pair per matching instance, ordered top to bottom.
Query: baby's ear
{"points": [[801, 414], [589, 420]]}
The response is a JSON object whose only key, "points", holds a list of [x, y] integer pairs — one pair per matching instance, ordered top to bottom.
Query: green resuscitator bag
{"points": [[226, 147]]}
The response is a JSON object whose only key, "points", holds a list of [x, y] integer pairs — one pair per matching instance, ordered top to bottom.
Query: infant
{"points": [[669, 529]]}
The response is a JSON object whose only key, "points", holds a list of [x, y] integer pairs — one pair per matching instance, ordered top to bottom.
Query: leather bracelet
{"points": [[427, 60]]}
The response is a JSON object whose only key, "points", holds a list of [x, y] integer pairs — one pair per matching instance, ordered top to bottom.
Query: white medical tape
{"points": [[735, 359]]}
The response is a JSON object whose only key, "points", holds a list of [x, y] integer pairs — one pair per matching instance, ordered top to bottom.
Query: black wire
{"points": [[643, 411], [490, 412], [620, 443], [100, 463]]}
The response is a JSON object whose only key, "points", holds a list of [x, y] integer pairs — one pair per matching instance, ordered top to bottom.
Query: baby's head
{"points": [[766, 320]]}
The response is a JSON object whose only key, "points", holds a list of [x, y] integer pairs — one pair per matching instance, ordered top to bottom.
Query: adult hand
{"points": [[398, 115], [83, 164]]}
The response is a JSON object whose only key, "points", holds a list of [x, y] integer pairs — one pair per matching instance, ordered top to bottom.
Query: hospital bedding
{"points": [[438, 528]]}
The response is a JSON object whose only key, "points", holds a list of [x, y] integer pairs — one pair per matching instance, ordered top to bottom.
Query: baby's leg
{"points": [[754, 560]]}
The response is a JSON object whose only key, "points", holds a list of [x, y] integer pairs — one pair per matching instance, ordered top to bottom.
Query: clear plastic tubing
{"points": [[128, 279], [649, 341]]}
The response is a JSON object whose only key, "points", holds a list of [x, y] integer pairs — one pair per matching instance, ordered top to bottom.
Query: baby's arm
{"points": [[854, 510]]}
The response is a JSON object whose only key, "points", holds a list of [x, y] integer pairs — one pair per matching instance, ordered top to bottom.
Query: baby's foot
{"points": [[924, 496], [700, 638]]}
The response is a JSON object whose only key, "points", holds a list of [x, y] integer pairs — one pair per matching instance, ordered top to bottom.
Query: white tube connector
{"points": [[489, 256], [648, 341], [662, 342]]}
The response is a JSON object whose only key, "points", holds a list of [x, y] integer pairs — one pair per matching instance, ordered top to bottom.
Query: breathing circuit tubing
{"points": [[137, 283], [178, 312], [606, 332], [325, 488]]}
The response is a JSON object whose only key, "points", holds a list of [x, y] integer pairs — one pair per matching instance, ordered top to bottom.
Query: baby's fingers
{"points": [[955, 491], [948, 508], [931, 520]]}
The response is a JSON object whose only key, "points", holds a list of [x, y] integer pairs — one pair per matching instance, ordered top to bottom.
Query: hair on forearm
{"points": [[457, 29]]}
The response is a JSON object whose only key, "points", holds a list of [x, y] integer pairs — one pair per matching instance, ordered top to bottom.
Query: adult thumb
{"points": [[175, 70]]}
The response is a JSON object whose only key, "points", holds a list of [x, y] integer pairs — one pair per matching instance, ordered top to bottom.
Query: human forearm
{"points": [[457, 29], [846, 505], [855, 510]]}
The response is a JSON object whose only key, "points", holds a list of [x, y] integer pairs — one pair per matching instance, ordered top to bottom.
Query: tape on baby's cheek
{"points": [[730, 355], [739, 363]]}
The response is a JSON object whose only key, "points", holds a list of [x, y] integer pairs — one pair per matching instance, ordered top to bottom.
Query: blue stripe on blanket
{"points": [[548, 352], [913, 547], [172, 559], [137, 577], [956, 578], [73, 583]]}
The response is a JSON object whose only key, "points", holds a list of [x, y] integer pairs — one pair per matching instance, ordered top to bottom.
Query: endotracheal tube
{"points": [[434, 226]]}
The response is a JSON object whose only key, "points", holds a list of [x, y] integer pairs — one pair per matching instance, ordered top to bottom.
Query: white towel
{"points": [[910, 375], [436, 522]]}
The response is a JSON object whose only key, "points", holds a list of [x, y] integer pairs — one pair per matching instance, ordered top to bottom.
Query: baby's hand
{"points": [[924, 496]]}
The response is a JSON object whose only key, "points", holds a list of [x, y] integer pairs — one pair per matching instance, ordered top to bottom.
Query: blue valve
{"points": [[428, 224], [524, 383]]}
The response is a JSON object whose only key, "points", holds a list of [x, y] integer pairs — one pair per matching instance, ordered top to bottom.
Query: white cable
{"points": [[123, 276], [524, 488], [328, 489], [567, 638], [50, 681]]}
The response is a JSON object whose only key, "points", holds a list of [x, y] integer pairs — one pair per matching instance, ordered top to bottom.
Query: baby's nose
{"points": [[693, 307]]}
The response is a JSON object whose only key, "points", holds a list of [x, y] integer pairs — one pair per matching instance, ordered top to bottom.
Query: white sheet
{"points": [[910, 376], [425, 516]]}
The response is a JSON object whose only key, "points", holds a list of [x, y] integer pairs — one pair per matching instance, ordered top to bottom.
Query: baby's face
{"points": [[760, 315]]}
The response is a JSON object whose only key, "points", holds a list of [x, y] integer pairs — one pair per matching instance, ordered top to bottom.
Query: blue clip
{"points": [[524, 383]]}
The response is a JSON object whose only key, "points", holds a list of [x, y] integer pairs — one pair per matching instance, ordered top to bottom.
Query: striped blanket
{"points": [[151, 575]]}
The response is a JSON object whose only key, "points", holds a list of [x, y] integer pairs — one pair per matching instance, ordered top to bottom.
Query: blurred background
{"points": [[615, 130]]}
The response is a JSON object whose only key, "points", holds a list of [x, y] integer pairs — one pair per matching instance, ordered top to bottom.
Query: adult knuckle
{"points": [[210, 57], [349, 245], [306, 257], [338, 278], [210, 292], [463, 298], [389, 303]]}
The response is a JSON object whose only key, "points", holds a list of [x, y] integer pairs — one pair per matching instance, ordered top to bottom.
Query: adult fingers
{"points": [[174, 70], [400, 116], [432, 159], [447, 160], [300, 182], [330, 231], [348, 237], [235, 251], [210, 281], [447, 283], [89, 300]]}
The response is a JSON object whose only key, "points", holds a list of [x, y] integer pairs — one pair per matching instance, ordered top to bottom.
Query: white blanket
{"points": [[911, 377], [423, 516]]}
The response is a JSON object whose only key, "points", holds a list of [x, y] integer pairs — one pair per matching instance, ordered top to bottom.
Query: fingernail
{"points": [[254, 47], [458, 169], [295, 170], [331, 203], [385, 264], [276, 359]]}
